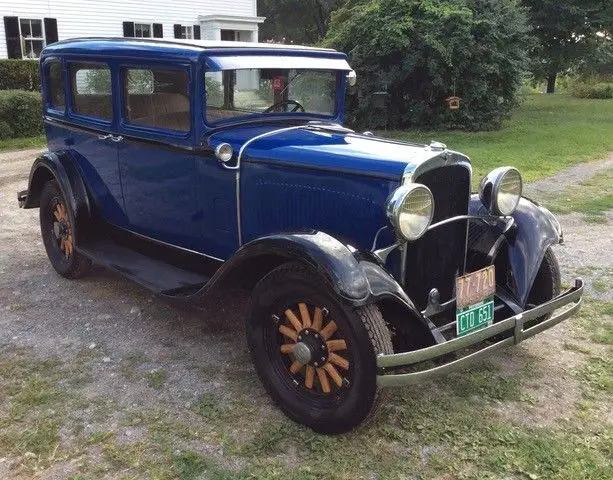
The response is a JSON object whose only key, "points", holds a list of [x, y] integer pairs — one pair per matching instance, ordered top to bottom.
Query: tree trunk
{"points": [[551, 82]]}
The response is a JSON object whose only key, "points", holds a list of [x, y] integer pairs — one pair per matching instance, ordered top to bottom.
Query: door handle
{"points": [[104, 137], [117, 138]]}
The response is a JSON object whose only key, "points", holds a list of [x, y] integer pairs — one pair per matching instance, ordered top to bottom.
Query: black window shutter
{"points": [[177, 28], [128, 29], [50, 30], [158, 30], [196, 32], [13, 42]]}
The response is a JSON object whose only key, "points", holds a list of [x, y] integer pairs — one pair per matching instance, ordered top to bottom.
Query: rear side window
{"points": [[55, 79], [91, 90], [157, 98]]}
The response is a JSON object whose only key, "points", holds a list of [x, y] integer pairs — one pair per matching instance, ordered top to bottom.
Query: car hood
{"points": [[326, 149]]}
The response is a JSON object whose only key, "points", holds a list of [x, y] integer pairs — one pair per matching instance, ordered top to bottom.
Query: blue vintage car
{"points": [[186, 165]]}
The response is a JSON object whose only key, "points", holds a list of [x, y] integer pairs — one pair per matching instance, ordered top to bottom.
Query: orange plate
{"points": [[476, 286]]}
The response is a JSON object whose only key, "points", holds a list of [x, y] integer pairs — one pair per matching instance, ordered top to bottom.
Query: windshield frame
{"points": [[255, 117]]}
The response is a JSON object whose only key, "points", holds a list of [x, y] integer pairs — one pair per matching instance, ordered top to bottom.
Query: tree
{"points": [[296, 21], [568, 32], [414, 54]]}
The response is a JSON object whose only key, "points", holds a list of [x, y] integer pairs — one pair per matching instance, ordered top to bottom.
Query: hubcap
{"points": [[313, 343], [302, 352]]}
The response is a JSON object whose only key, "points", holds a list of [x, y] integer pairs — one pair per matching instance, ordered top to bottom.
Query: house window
{"points": [[142, 30], [187, 32], [32, 38], [91, 90]]}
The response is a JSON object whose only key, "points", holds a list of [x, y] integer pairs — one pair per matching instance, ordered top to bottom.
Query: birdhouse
{"points": [[453, 102]]}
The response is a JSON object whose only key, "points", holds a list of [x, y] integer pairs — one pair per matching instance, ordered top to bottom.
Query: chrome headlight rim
{"points": [[490, 189], [496, 191], [396, 202]]}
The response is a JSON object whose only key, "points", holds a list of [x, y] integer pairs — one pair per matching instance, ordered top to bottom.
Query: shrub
{"points": [[411, 55], [19, 75], [592, 88], [20, 113], [6, 131]]}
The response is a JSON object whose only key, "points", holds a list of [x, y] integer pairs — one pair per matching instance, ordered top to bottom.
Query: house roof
{"points": [[191, 50]]}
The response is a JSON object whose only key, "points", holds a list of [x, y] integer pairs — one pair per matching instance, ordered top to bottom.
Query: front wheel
{"points": [[547, 284], [315, 356]]}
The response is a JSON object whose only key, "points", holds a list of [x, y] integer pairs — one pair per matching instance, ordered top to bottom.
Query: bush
{"points": [[413, 54], [20, 75], [586, 88], [20, 113]]}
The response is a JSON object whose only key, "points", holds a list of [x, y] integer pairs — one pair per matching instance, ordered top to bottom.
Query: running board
{"points": [[156, 275]]}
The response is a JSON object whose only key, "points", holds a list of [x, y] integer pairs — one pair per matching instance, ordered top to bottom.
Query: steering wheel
{"points": [[296, 104]]}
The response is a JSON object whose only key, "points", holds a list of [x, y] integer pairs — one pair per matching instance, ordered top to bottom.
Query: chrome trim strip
{"points": [[238, 172], [492, 219], [166, 244]]}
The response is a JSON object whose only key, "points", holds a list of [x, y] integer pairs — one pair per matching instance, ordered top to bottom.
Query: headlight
{"points": [[501, 190], [410, 209]]}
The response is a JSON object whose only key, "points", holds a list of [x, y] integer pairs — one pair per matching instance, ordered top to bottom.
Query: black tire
{"points": [[65, 260], [547, 284], [363, 329]]}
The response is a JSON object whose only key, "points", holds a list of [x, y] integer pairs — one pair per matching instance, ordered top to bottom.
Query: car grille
{"points": [[437, 258]]}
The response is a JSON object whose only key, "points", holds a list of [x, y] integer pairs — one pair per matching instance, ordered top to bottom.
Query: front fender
{"points": [[59, 166], [535, 229], [358, 278]]}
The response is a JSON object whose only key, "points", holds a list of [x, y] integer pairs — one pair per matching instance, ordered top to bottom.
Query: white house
{"points": [[31, 24]]}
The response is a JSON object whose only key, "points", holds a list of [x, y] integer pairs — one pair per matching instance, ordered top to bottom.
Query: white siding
{"points": [[87, 18]]}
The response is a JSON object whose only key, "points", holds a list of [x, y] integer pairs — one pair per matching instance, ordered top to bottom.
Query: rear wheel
{"points": [[57, 230], [315, 356]]}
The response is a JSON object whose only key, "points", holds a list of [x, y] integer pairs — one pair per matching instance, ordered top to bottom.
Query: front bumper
{"points": [[514, 324]]}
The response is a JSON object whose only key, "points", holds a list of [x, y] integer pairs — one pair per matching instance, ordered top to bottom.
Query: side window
{"points": [[55, 81], [91, 90], [157, 98]]}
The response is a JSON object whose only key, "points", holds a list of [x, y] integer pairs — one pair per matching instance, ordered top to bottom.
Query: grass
{"points": [[545, 134], [26, 142], [592, 197], [448, 429]]}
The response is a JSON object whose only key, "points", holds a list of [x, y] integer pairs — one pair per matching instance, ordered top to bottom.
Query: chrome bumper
{"points": [[514, 324]]}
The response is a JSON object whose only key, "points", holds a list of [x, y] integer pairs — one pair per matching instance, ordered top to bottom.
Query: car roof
{"points": [[185, 49]]}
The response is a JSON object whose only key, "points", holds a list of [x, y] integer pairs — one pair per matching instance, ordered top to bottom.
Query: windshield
{"points": [[238, 93]]}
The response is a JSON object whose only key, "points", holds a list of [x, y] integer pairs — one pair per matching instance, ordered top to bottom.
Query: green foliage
{"points": [[296, 21], [569, 32], [420, 52], [19, 75], [591, 88], [20, 114]]}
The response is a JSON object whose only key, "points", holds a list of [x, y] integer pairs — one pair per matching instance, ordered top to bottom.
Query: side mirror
{"points": [[352, 78]]}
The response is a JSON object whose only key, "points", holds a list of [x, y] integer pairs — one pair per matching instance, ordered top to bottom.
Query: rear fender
{"points": [[59, 166]]}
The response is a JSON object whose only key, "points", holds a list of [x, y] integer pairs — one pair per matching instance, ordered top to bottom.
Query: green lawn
{"points": [[545, 134], [25, 142], [592, 197]]}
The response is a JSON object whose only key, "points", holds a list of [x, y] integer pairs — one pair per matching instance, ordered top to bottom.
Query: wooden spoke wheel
{"points": [[62, 229], [57, 230], [314, 348], [315, 354]]}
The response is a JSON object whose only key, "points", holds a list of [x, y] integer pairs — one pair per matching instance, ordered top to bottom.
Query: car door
{"points": [[89, 135], [156, 161]]}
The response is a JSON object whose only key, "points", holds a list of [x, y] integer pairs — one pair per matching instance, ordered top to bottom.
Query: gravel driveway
{"points": [[119, 331]]}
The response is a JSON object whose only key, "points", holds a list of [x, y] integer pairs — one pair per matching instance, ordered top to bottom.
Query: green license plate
{"points": [[475, 300], [472, 318]]}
